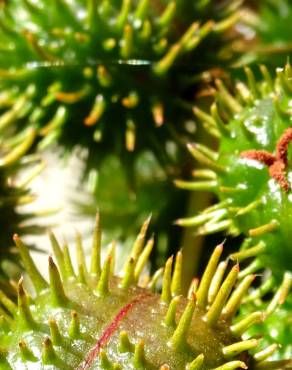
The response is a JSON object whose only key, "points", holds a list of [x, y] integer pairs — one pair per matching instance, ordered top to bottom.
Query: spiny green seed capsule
{"points": [[91, 71], [251, 172], [14, 191], [90, 319]]}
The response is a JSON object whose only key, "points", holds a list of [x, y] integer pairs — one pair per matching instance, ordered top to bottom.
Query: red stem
{"points": [[109, 331]]}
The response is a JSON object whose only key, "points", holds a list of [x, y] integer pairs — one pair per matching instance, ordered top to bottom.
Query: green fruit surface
{"points": [[260, 128], [92, 319], [143, 322]]}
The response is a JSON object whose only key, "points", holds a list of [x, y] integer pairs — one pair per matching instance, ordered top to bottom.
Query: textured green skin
{"points": [[263, 128], [144, 321], [162, 330]]}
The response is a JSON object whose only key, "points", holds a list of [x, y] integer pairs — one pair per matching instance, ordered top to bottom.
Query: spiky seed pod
{"points": [[102, 71], [109, 76], [17, 170], [251, 172], [251, 175], [108, 322]]}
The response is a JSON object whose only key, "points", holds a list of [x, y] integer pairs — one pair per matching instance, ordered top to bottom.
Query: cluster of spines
{"points": [[131, 23], [125, 26], [14, 183], [237, 205], [223, 215], [219, 217], [213, 296]]}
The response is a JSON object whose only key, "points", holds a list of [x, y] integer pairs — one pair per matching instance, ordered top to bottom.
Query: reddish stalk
{"points": [[277, 164], [109, 331]]}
